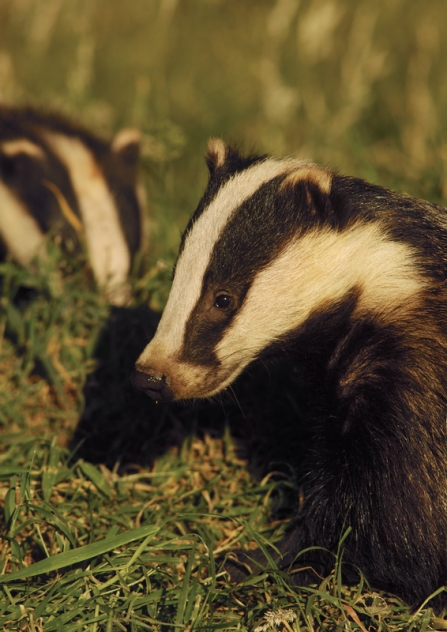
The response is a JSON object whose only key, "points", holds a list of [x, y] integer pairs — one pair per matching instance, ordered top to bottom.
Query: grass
{"points": [[116, 511]]}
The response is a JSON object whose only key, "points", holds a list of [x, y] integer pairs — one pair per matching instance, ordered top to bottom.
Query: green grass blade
{"points": [[51, 472], [95, 476], [81, 554], [184, 592]]}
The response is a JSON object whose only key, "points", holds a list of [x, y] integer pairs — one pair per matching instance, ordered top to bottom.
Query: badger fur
{"points": [[57, 176], [284, 257]]}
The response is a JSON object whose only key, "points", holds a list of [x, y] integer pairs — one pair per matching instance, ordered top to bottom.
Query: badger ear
{"points": [[126, 145], [24, 146], [216, 154], [308, 188]]}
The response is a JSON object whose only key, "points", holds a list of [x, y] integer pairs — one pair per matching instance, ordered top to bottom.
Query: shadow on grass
{"points": [[264, 409]]}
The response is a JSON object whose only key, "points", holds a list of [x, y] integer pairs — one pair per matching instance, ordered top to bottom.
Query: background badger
{"points": [[55, 175], [286, 257]]}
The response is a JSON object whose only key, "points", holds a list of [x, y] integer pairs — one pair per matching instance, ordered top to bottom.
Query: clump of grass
{"points": [[97, 548], [86, 549]]}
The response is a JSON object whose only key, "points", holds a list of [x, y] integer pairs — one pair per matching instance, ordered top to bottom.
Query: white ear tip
{"points": [[125, 137], [12, 148], [217, 151]]}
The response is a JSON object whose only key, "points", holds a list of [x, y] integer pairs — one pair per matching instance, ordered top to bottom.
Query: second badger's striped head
{"points": [[263, 251]]}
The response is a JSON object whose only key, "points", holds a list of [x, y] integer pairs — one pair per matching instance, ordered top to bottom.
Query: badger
{"points": [[57, 176], [285, 258]]}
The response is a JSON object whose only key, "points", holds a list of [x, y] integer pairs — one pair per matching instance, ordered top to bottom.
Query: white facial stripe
{"points": [[17, 146], [19, 230], [108, 251], [194, 259], [322, 266]]}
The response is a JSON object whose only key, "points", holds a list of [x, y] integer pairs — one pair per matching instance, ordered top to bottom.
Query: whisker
{"points": [[238, 351], [231, 390]]}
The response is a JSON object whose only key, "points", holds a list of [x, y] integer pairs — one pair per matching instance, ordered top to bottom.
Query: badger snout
{"points": [[154, 385]]}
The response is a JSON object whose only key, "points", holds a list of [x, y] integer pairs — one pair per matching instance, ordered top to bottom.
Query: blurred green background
{"points": [[358, 85]]}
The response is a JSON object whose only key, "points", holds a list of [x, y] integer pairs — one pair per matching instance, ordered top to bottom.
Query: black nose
{"points": [[153, 385]]}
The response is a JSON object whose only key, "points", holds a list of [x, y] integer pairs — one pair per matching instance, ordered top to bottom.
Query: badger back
{"points": [[57, 176], [279, 250]]}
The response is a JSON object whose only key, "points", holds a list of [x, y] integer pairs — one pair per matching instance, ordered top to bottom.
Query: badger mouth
{"points": [[168, 381], [152, 385]]}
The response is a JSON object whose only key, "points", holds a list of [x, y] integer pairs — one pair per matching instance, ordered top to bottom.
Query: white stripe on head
{"points": [[19, 230], [199, 244], [108, 252], [321, 267]]}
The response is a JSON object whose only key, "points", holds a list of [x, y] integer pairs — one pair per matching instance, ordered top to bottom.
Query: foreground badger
{"points": [[56, 176], [286, 257]]}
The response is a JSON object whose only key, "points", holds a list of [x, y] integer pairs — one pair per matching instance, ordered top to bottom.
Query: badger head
{"points": [[262, 252], [222, 310]]}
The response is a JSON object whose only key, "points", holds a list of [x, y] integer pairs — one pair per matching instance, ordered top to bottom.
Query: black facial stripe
{"points": [[234, 163], [27, 175], [126, 201], [261, 227], [255, 234], [202, 337]]}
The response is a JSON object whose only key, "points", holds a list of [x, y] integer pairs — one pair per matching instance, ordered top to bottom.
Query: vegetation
{"points": [[116, 512]]}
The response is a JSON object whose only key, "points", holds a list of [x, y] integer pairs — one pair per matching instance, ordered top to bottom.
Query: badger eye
{"points": [[222, 301]]}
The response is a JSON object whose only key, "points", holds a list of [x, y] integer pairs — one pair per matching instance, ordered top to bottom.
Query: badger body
{"points": [[57, 176], [286, 258]]}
